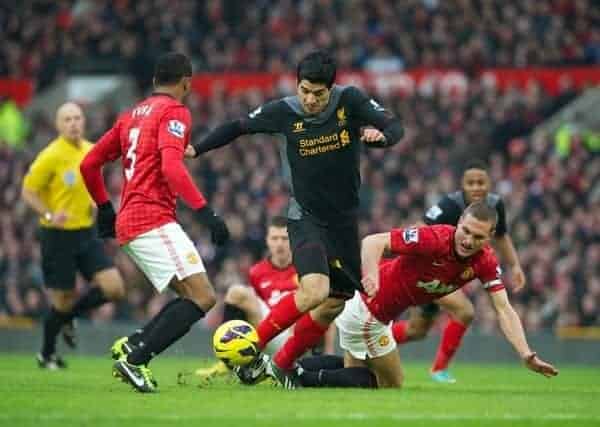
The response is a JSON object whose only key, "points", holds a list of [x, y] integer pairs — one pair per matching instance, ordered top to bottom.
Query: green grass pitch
{"points": [[486, 395]]}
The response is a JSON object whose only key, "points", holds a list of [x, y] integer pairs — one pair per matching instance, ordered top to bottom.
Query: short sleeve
{"points": [[265, 119], [174, 128], [40, 172], [444, 212], [416, 241], [488, 271]]}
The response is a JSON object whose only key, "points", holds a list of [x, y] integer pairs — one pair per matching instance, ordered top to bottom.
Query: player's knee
{"points": [[111, 283], [313, 291], [236, 295], [63, 303], [465, 314], [416, 333], [391, 381]]}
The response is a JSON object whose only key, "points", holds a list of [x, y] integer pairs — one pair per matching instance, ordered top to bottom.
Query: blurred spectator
{"points": [[45, 40], [13, 125]]}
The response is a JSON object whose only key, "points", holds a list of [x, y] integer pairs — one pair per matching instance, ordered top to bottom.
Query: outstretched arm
{"points": [[222, 135], [509, 255], [513, 331]]}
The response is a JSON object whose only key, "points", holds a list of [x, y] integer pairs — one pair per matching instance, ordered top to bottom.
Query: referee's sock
{"points": [[93, 298], [52, 324], [171, 324], [345, 377]]}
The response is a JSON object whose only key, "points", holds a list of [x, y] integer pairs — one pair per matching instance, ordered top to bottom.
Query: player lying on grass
{"points": [[476, 185], [432, 261], [271, 279]]}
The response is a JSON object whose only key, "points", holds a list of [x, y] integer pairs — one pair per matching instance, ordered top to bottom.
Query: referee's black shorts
{"points": [[331, 249], [64, 252]]}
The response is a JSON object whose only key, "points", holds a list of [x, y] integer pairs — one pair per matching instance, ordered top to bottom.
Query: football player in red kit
{"points": [[150, 140], [432, 261]]}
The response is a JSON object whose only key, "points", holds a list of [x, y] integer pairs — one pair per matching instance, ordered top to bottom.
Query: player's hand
{"points": [[372, 135], [190, 151], [59, 218], [106, 220], [218, 228], [518, 278], [370, 283], [536, 364]]}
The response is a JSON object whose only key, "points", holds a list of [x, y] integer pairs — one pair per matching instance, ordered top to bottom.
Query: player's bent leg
{"points": [[111, 283], [312, 291], [243, 298], [459, 306], [461, 311], [387, 370]]}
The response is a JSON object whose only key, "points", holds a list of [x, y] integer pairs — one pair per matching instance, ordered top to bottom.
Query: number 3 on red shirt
{"points": [[134, 134]]}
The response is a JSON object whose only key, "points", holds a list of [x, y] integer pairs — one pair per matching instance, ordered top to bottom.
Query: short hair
{"points": [[171, 67], [317, 67], [476, 164], [483, 212], [278, 221]]}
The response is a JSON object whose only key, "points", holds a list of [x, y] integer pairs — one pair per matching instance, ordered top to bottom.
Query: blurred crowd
{"points": [[46, 40], [552, 198]]}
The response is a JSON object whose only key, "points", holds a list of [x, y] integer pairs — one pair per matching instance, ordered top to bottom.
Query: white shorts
{"points": [[165, 252], [361, 334], [277, 342]]}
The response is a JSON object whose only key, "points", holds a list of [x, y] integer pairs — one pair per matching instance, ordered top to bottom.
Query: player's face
{"points": [[313, 97], [70, 122], [475, 184], [471, 235], [278, 243]]}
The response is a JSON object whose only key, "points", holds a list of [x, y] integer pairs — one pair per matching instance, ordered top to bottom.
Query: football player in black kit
{"points": [[324, 126]]}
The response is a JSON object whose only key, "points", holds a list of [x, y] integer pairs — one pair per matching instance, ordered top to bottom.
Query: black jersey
{"points": [[320, 153], [449, 209]]}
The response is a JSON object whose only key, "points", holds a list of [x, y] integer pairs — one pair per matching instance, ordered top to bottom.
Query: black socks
{"points": [[92, 299], [231, 312], [173, 322]]}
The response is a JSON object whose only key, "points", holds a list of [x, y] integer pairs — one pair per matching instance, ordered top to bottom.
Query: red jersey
{"points": [[150, 139], [428, 268], [271, 283]]}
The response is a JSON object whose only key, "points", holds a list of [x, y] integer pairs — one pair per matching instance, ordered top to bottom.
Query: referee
{"points": [[53, 187]]}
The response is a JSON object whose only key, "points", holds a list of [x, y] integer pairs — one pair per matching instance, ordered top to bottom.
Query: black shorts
{"points": [[333, 250], [64, 252], [429, 311]]}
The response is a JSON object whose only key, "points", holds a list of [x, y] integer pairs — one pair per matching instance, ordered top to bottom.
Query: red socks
{"points": [[281, 317], [399, 330], [307, 334], [451, 338]]}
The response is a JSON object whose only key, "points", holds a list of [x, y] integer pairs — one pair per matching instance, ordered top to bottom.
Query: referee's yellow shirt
{"points": [[54, 175]]}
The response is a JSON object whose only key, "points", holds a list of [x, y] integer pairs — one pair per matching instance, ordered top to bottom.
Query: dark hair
{"points": [[171, 67], [317, 67], [475, 164], [483, 212], [278, 221]]}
